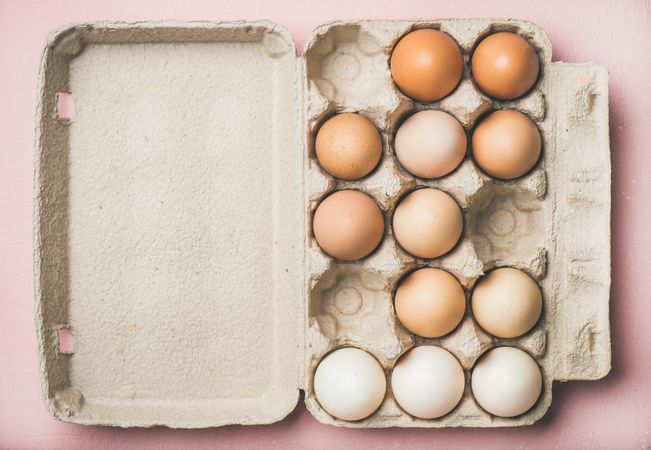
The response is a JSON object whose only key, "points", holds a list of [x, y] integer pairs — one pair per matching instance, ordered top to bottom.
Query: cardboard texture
{"points": [[173, 211]]}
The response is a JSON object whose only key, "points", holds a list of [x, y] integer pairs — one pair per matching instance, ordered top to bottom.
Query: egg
{"points": [[426, 65], [505, 65], [430, 144], [506, 144], [348, 146], [427, 223], [348, 225], [430, 302], [507, 302], [428, 382], [506, 382], [349, 384]]}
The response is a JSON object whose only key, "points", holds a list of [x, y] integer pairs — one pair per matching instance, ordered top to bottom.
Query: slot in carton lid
{"points": [[169, 225]]}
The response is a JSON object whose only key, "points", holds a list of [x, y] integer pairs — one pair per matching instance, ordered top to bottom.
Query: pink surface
{"points": [[612, 413]]}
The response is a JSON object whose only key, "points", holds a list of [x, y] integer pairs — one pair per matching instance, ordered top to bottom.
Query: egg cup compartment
{"points": [[346, 64], [173, 220], [508, 220], [349, 304]]}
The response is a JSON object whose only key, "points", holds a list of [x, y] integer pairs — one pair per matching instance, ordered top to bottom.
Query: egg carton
{"points": [[172, 220]]}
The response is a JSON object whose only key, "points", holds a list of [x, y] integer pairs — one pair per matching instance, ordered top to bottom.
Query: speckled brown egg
{"points": [[426, 65], [505, 65], [506, 144], [348, 146], [348, 225]]}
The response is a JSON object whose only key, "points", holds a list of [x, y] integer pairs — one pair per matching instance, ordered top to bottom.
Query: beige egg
{"points": [[430, 144], [506, 144], [348, 146], [427, 223], [348, 225], [430, 302], [507, 302], [506, 382]]}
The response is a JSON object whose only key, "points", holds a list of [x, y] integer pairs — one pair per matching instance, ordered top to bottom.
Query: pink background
{"points": [[612, 413]]}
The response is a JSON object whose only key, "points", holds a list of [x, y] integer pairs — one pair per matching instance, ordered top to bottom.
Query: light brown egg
{"points": [[426, 65], [505, 65], [430, 144], [506, 144], [348, 146], [427, 223], [348, 225], [430, 302], [506, 303]]}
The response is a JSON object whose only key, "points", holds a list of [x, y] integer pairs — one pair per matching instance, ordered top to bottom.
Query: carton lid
{"points": [[169, 224]]}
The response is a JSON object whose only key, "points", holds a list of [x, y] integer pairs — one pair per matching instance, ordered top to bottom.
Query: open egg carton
{"points": [[537, 223], [172, 228]]}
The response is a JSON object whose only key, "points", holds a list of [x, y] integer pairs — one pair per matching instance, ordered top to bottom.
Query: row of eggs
{"points": [[427, 65], [430, 144], [349, 225], [506, 303], [427, 382]]}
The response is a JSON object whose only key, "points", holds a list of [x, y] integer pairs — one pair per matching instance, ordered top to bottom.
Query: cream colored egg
{"points": [[430, 144], [428, 223], [430, 302], [507, 302], [428, 382], [506, 382], [349, 384]]}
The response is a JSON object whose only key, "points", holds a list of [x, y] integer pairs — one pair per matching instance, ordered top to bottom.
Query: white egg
{"points": [[428, 382], [506, 382], [349, 384]]}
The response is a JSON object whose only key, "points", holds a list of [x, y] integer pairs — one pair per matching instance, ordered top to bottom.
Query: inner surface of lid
{"points": [[183, 227]]}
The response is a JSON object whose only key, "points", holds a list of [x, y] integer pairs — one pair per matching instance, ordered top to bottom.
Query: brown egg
{"points": [[426, 65], [505, 65], [506, 144], [348, 146], [427, 223], [348, 225], [430, 302], [507, 302]]}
